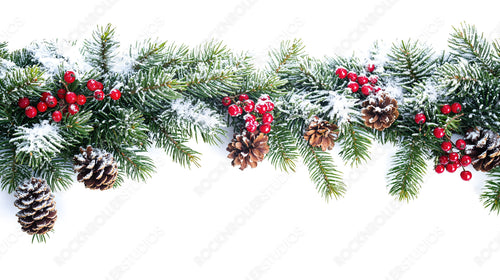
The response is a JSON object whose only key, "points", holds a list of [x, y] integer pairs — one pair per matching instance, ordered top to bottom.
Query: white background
{"points": [[217, 222]]}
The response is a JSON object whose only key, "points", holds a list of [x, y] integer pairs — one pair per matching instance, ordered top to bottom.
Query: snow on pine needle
{"points": [[59, 54], [298, 106], [341, 107], [196, 113], [41, 139]]}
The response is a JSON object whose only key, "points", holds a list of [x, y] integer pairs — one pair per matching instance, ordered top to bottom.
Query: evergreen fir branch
{"points": [[465, 42], [4, 51], [100, 51], [208, 53], [149, 54], [288, 54], [174, 56], [22, 58], [410, 62], [461, 75], [20, 83], [258, 83], [150, 89], [119, 126], [76, 127], [356, 143], [174, 146], [283, 151], [137, 167], [408, 169], [322, 171], [58, 172], [12, 173], [491, 194]]}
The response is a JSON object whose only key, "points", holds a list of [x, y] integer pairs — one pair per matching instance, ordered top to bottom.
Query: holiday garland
{"points": [[91, 108]]}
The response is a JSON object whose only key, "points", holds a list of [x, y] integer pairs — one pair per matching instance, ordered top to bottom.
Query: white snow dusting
{"points": [[55, 54], [341, 107], [196, 113], [42, 137]]}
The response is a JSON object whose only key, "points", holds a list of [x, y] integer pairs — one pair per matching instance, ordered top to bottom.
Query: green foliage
{"points": [[100, 51], [410, 62], [24, 82], [356, 142], [283, 152], [408, 169], [12, 171], [491, 194]]}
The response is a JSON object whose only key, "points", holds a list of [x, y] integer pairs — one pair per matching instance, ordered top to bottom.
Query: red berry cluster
{"points": [[367, 83], [67, 99], [255, 112], [453, 157]]}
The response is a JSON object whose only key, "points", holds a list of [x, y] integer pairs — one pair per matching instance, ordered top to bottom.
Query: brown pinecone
{"points": [[379, 111], [321, 134], [483, 146], [247, 149], [96, 169], [37, 206]]}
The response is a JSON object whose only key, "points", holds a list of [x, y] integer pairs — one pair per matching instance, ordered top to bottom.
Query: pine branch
{"points": [[465, 42], [100, 51], [287, 55], [411, 62], [462, 76], [20, 83], [355, 142], [174, 146], [283, 151], [137, 167], [408, 169], [322, 171], [57, 172], [13, 173], [491, 194]]}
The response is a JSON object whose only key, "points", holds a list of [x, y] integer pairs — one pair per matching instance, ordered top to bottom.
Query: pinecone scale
{"points": [[379, 111], [321, 134], [483, 146], [247, 149], [97, 169], [37, 206]]}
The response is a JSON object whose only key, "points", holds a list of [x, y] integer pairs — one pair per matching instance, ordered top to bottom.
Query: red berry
{"points": [[370, 67], [341, 72], [352, 76], [69, 77], [362, 79], [373, 79], [92, 85], [100, 86], [353, 86], [366, 89], [377, 89], [61, 93], [99, 94], [115, 94], [44, 96], [70, 97], [242, 97], [264, 97], [81, 99], [51, 101], [226, 101], [23, 102], [249, 105], [41, 106], [269, 106], [261, 108], [456, 108], [73, 109], [446, 109], [234, 110], [30, 112], [57, 116], [249, 117], [267, 118], [420, 118], [251, 126], [265, 128], [439, 132], [460, 144], [446, 146], [453, 157], [443, 160], [465, 160], [450, 167], [439, 168], [466, 175]]}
